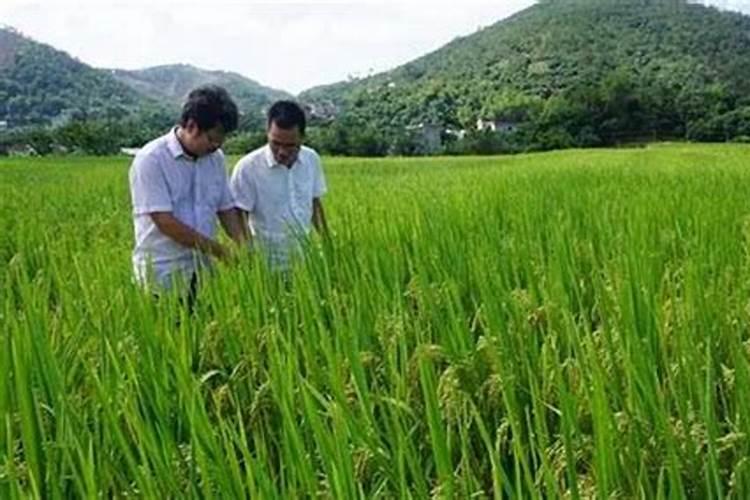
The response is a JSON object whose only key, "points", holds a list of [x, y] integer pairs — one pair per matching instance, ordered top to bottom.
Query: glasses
{"points": [[215, 139]]}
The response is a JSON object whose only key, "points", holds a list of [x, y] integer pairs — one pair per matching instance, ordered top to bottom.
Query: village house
{"points": [[324, 111], [497, 125], [427, 137]]}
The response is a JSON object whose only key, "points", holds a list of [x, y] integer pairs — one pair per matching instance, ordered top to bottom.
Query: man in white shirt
{"points": [[179, 186], [278, 187]]}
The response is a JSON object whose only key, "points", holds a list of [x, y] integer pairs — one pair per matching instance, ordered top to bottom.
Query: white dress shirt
{"points": [[163, 178], [278, 199]]}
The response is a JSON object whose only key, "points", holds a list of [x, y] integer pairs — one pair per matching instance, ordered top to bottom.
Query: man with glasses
{"points": [[179, 186], [278, 187]]}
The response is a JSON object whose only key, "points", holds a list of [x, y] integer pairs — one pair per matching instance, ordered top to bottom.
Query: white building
{"points": [[503, 126]]}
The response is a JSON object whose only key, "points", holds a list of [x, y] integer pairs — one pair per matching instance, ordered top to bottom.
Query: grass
{"points": [[569, 324]]}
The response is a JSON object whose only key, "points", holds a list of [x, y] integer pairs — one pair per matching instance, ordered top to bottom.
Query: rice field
{"points": [[563, 325]]}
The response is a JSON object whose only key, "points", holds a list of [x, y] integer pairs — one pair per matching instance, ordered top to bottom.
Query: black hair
{"points": [[209, 106], [286, 115]]}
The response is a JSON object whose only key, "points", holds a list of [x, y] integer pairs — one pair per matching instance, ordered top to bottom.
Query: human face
{"points": [[199, 142], [285, 143]]}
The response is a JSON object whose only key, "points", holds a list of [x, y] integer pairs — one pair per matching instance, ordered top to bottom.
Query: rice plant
{"points": [[570, 324]]}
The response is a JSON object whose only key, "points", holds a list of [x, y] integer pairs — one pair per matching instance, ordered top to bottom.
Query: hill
{"points": [[583, 72], [171, 83], [40, 85]]}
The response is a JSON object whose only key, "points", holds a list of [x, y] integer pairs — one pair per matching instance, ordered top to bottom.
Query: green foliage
{"points": [[567, 73], [572, 73], [171, 83], [41, 85], [733, 125], [89, 136], [348, 136], [244, 142], [562, 325]]}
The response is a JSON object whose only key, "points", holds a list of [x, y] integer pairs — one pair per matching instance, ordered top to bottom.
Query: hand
{"points": [[222, 254]]}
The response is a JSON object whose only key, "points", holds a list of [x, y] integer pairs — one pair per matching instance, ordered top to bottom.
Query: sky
{"points": [[286, 45]]}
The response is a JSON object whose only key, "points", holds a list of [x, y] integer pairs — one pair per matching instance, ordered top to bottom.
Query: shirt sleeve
{"points": [[319, 182], [148, 187], [242, 188], [227, 200]]}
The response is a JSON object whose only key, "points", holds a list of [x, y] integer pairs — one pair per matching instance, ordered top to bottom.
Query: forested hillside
{"points": [[572, 72]]}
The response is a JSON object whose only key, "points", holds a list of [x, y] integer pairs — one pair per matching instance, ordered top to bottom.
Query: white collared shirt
{"points": [[163, 178], [278, 198]]}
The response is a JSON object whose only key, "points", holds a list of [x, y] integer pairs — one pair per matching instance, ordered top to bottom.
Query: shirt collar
{"points": [[174, 146], [271, 161]]}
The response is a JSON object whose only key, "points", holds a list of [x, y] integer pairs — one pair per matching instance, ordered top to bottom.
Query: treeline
{"points": [[563, 73], [567, 73], [626, 106], [613, 115], [96, 136]]}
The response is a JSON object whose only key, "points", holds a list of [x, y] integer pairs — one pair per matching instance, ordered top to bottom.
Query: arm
{"points": [[319, 189], [243, 190], [150, 196], [243, 216], [319, 218], [235, 225], [186, 236]]}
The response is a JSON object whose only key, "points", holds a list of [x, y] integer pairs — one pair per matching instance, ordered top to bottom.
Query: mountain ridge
{"points": [[552, 49], [41, 85]]}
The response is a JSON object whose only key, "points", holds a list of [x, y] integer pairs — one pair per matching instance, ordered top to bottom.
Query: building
{"points": [[322, 111], [497, 125], [427, 137], [22, 150], [129, 151]]}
